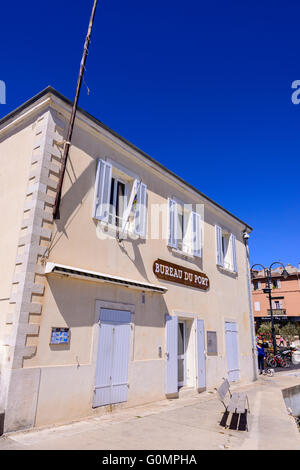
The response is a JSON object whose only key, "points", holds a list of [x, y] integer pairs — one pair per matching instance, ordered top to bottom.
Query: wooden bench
{"points": [[237, 404]]}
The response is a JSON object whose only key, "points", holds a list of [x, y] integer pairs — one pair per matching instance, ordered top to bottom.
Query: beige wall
{"points": [[15, 159], [71, 303], [65, 374]]}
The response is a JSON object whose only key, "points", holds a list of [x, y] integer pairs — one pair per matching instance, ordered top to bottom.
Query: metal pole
{"points": [[73, 113], [269, 279]]}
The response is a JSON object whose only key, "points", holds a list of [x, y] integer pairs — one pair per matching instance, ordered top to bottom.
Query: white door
{"points": [[231, 334], [111, 382]]}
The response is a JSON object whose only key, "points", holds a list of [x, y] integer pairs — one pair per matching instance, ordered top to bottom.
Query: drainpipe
{"points": [[251, 317]]}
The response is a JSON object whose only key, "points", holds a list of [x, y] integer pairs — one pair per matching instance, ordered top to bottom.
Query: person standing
{"points": [[260, 356]]}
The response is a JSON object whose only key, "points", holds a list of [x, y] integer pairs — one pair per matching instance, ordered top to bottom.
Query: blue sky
{"points": [[203, 87]]}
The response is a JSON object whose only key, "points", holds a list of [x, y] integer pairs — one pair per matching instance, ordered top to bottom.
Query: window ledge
{"points": [[114, 231], [182, 253], [226, 270]]}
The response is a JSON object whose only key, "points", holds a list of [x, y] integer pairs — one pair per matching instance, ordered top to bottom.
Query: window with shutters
{"points": [[120, 199], [184, 228], [226, 249], [275, 283]]}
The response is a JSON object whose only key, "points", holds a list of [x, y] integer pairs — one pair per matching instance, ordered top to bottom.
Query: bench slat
{"points": [[223, 389], [233, 402], [237, 403], [241, 403]]}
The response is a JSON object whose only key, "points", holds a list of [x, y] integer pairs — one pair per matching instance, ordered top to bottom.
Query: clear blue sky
{"points": [[203, 87]]}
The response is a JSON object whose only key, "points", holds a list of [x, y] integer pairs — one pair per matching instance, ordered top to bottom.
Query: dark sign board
{"points": [[179, 274]]}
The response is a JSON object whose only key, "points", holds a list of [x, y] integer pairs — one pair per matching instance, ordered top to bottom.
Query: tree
{"points": [[266, 329], [289, 330]]}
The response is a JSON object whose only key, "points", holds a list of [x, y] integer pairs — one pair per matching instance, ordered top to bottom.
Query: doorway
{"points": [[181, 354], [111, 380]]}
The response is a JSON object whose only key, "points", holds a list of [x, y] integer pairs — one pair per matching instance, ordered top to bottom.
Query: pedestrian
{"points": [[281, 341], [287, 342], [260, 356]]}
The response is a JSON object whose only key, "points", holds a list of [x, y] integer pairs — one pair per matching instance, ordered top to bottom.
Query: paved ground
{"points": [[192, 422]]}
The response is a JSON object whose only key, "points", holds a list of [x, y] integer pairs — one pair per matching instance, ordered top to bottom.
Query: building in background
{"points": [[286, 295]]}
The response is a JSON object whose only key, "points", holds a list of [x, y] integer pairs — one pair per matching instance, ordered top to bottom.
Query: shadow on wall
{"points": [[75, 301]]}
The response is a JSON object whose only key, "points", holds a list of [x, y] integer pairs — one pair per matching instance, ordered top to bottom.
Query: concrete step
{"points": [[187, 391]]}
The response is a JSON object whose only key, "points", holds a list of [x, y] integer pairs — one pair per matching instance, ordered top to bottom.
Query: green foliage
{"points": [[266, 329], [288, 330]]}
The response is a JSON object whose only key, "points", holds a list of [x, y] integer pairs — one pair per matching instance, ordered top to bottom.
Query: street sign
{"points": [[267, 290], [277, 298]]}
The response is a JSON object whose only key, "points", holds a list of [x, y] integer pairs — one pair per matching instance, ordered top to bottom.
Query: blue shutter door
{"points": [[102, 190], [141, 211], [172, 223], [220, 258], [234, 259], [232, 351], [171, 354], [113, 357], [201, 362]]}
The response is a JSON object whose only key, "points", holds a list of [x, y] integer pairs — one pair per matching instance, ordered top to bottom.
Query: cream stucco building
{"points": [[138, 291]]}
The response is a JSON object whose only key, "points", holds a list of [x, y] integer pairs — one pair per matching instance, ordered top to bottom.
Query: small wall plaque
{"points": [[60, 336], [212, 346]]}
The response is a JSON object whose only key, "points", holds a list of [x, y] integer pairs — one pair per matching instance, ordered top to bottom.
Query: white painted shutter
{"points": [[102, 190], [128, 209], [141, 211], [172, 223], [188, 233], [197, 234], [233, 247], [220, 257], [278, 283], [257, 306], [231, 335], [171, 354], [201, 360], [111, 381]]}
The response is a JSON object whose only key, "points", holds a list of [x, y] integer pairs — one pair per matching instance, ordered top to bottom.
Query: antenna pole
{"points": [[73, 113]]}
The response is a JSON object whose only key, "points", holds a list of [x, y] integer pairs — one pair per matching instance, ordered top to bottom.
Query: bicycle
{"points": [[277, 360]]}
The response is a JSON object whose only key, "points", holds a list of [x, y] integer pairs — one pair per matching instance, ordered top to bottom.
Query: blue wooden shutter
{"points": [[102, 190], [129, 208], [141, 211], [172, 223], [197, 234], [233, 247], [220, 257], [231, 334], [171, 354], [201, 360], [111, 381]]}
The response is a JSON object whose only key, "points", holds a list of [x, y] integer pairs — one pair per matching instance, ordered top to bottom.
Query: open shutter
{"points": [[102, 190], [129, 207], [141, 211], [172, 223], [197, 234], [187, 239], [233, 247], [220, 257], [278, 283], [171, 354], [201, 360]]}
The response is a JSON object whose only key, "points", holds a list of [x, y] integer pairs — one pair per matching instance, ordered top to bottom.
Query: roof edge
{"points": [[50, 90]]}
